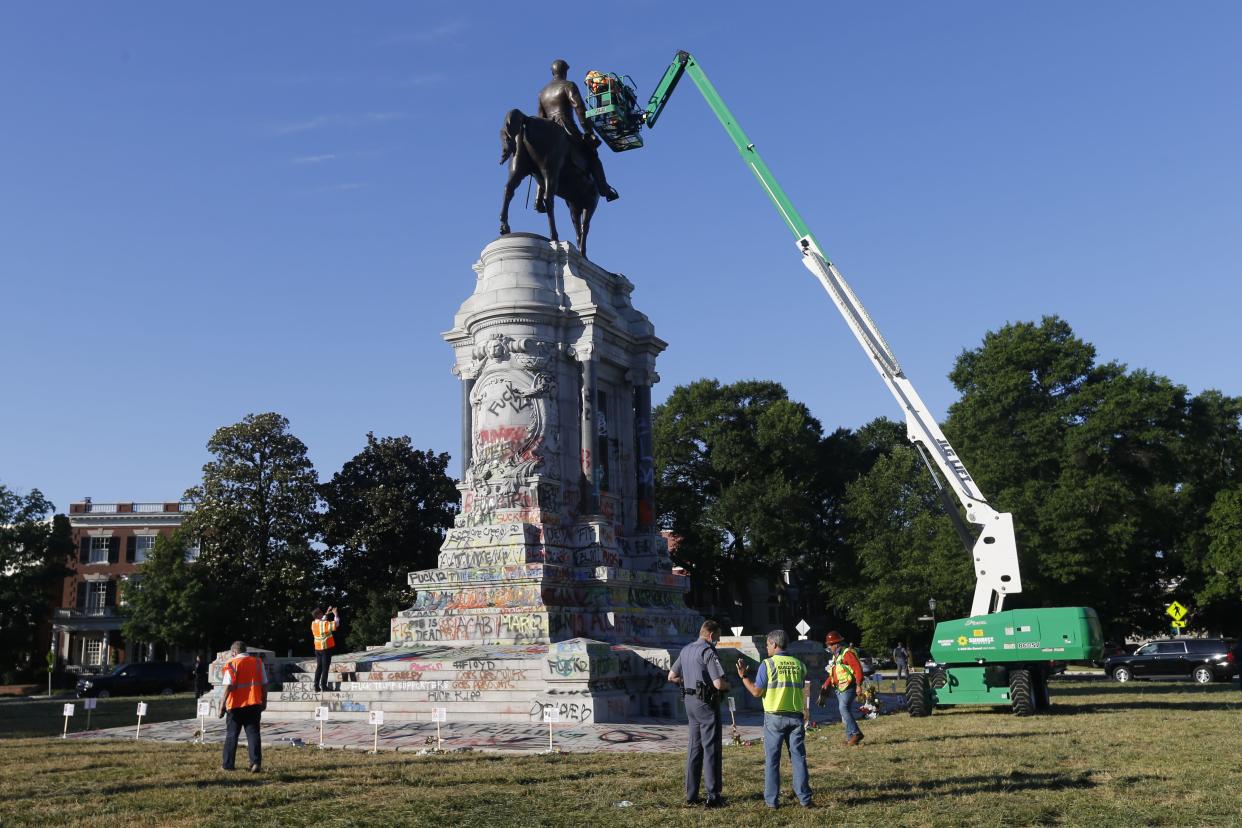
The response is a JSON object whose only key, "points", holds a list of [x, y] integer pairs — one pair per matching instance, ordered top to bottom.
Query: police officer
{"points": [[698, 671]]}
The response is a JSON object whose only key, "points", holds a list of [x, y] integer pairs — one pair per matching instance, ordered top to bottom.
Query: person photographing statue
{"points": [[322, 630], [698, 671]]}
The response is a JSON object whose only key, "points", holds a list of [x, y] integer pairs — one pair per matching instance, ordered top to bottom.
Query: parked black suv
{"points": [[1203, 659], [163, 677]]}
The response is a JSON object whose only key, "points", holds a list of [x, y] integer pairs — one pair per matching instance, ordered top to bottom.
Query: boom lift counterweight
{"points": [[995, 656]]}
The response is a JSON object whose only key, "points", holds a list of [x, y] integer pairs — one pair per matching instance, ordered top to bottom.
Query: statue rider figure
{"points": [[558, 101]]}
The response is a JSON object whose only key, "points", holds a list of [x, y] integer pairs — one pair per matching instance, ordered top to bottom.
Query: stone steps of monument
{"points": [[445, 681], [430, 696], [391, 717]]}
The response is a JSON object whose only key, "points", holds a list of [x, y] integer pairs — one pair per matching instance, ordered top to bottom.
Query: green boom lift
{"points": [[995, 656]]}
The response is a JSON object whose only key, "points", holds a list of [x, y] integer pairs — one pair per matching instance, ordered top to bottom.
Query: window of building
{"points": [[145, 545], [99, 550], [191, 553], [96, 597], [93, 652]]}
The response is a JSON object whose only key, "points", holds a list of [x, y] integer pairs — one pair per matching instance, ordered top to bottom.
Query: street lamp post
{"points": [[931, 605]]}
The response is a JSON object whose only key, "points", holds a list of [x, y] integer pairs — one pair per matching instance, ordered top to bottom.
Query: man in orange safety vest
{"points": [[322, 631], [245, 699]]}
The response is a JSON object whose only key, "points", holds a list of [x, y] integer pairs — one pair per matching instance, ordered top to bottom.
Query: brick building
{"points": [[112, 542]]}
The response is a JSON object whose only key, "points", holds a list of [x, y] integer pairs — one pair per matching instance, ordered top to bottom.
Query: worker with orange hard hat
{"points": [[845, 675]]}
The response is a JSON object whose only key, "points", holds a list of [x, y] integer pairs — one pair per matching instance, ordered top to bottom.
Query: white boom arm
{"points": [[995, 551]]}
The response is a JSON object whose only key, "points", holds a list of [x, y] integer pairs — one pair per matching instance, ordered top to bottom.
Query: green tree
{"points": [[1085, 456], [1210, 461], [739, 481], [387, 511], [255, 518], [33, 551], [904, 551], [1223, 561], [167, 600]]}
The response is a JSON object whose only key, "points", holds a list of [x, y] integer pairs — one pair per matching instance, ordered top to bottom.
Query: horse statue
{"points": [[542, 148]]}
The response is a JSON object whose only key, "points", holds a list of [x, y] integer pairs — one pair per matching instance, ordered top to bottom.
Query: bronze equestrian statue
{"points": [[559, 101], [563, 160]]}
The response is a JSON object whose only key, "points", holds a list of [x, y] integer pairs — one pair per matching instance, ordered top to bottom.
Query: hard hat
{"points": [[834, 637]]}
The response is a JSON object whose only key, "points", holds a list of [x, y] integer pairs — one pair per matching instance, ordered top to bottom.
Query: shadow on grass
{"points": [[1147, 689], [1140, 704], [948, 737], [967, 785]]}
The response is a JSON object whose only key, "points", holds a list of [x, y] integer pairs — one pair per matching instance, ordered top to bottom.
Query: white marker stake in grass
{"points": [[89, 704], [204, 710], [142, 711], [68, 712], [439, 714], [551, 715], [321, 716], [377, 719]]}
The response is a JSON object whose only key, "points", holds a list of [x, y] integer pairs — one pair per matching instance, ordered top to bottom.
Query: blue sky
{"points": [[231, 208]]}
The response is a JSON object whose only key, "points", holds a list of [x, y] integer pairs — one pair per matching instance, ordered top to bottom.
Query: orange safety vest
{"points": [[322, 631], [246, 682]]}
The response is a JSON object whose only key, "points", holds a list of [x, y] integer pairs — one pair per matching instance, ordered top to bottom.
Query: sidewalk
{"points": [[648, 736]]}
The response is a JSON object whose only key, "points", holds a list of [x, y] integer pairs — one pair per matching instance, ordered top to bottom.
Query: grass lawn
{"points": [[1138, 754]]}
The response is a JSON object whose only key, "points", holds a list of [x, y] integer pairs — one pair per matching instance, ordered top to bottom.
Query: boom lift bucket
{"points": [[613, 110]]}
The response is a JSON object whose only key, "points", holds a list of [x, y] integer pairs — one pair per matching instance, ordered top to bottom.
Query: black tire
{"points": [[1122, 674], [1203, 675], [938, 678], [1039, 684], [167, 691], [1022, 692], [103, 694], [918, 696]]}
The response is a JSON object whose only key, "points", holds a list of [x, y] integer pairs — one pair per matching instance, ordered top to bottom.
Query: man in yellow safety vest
{"points": [[322, 631], [845, 673], [780, 683]]}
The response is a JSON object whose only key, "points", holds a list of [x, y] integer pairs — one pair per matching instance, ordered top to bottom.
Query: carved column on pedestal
{"points": [[589, 399], [467, 420], [644, 452]]}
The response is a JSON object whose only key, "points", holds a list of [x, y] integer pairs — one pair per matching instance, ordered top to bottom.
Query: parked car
{"points": [[1112, 648], [1203, 659], [867, 662], [163, 677]]}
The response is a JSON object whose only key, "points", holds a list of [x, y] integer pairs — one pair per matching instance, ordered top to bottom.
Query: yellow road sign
{"points": [[1177, 611], [1181, 625]]}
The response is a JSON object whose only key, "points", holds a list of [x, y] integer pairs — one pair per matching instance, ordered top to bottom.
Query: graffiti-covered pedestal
{"points": [[554, 587]]}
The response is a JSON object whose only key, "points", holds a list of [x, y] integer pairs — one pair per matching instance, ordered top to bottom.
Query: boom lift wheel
{"points": [[1022, 692], [918, 695]]}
